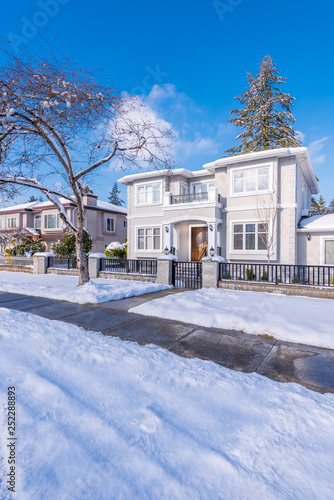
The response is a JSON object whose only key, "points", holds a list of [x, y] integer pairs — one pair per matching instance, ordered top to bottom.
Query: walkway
{"points": [[283, 361]]}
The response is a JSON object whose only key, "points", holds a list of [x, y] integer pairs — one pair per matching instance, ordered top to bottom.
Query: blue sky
{"points": [[190, 59]]}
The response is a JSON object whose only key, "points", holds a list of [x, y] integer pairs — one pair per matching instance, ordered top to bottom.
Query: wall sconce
{"points": [[211, 227], [167, 229], [308, 237], [166, 251], [212, 252]]}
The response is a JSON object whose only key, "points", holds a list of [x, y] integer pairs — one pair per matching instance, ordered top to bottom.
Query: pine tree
{"points": [[266, 117], [114, 196], [322, 203], [315, 205], [331, 205]]}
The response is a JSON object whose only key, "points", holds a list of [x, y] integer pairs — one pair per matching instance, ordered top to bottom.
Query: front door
{"points": [[199, 242]]}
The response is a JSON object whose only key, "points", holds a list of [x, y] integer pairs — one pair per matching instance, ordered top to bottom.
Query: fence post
{"points": [[41, 262], [94, 264], [165, 269], [210, 273]]}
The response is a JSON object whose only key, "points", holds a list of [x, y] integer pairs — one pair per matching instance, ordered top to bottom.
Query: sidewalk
{"points": [[283, 361]]}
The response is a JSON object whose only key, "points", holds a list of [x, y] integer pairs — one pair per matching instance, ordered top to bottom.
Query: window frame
{"points": [[204, 183], [145, 185], [257, 191], [40, 218], [46, 218], [1, 223], [245, 223], [125, 224], [113, 225], [10, 226], [145, 236], [323, 249]]}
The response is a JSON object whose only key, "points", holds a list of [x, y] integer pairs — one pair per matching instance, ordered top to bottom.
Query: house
{"points": [[247, 208], [104, 222]]}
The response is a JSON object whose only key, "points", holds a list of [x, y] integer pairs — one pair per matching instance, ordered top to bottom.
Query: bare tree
{"points": [[58, 124], [267, 214]]}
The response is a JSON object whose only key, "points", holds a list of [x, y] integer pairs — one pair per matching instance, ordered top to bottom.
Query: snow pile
{"points": [[115, 245], [53, 286], [295, 319], [106, 419]]}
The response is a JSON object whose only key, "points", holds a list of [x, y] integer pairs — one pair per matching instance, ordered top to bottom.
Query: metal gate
{"points": [[187, 274]]}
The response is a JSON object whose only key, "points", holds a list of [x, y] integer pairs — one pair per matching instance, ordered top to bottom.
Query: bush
{"points": [[26, 245], [66, 246], [116, 249], [250, 275], [228, 276], [264, 277], [295, 279]]}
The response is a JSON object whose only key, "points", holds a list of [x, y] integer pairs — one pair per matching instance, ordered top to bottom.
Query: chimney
{"points": [[90, 200]]}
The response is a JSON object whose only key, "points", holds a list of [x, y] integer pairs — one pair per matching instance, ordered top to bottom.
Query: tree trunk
{"points": [[82, 260]]}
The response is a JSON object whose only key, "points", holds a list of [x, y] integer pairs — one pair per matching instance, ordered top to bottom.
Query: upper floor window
{"points": [[250, 180], [200, 187], [150, 193], [38, 221], [52, 221], [11, 222], [1, 223], [124, 223], [110, 225], [249, 236]]}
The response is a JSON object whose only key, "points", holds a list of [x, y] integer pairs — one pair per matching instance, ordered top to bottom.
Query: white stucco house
{"points": [[247, 208]]}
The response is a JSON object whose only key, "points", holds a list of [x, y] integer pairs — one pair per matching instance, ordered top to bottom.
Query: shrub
{"points": [[25, 245], [66, 246], [116, 249], [250, 275], [227, 276], [264, 277], [295, 279]]}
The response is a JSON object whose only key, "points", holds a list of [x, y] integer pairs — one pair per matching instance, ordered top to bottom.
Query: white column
{"points": [[167, 236]]}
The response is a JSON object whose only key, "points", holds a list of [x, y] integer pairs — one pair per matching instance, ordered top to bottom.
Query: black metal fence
{"points": [[63, 262], [129, 266], [277, 273], [187, 274]]}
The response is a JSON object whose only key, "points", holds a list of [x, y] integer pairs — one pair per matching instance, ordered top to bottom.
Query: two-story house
{"points": [[247, 208], [104, 222]]}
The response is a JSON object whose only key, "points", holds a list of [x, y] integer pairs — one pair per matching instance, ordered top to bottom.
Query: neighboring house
{"points": [[246, 207], [104, 222]]}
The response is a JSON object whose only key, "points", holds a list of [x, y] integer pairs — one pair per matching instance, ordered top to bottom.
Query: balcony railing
{"points": [[189, 198]]}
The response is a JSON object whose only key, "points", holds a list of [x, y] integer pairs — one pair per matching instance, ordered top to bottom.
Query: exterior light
{"points": [[211, 227], [167, 229], [308, 236], [166, 251], [212, 252]]}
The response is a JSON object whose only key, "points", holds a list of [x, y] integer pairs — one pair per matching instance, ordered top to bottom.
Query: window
{"points": [[250, 180], [202, 188], [151, 193], [52, 221], [11, 222], [38, 222], [1, 223], [124, 223], [110, 225], [250, 236], [148, 238], [329, 252]]}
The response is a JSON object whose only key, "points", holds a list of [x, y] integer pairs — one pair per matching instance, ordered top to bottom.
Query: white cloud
{"points": [[300, 136], [315, 147], [319, 159]]}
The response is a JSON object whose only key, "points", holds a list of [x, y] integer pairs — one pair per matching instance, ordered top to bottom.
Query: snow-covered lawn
{"points": [[53, 286], [296, 319], [105, 419]]}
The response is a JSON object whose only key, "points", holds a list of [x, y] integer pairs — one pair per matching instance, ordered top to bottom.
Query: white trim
{"points": [[252, 167], [188, 174], [153, 203], [186, 206], [254, 207], [143, 216], [187, 218], [1, 223], [113, 230], [316, 230], [323, 249], [152, 250]]}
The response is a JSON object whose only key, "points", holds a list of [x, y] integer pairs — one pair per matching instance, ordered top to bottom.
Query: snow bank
{"points": [[53, 286], [296, 319], [106, 419]]}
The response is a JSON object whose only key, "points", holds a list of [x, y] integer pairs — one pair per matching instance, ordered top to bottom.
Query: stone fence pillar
{"points": [[94, 260], [41, 262], [165, 269], [210, 273]]}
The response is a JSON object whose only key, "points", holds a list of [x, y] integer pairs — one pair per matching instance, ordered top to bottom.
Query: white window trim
{"points": [[201, 182], [141, 184], [253, 193], [11, 218], [40, 218], [1, 223], [58, 226], [149, 226], [114, 230], [323, 249], [248, 252]]}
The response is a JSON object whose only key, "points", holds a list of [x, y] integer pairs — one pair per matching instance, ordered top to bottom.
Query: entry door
{"points": [[199, 242]]}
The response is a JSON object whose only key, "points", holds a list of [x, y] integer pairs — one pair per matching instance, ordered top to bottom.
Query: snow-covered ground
{"points": [[53, 286], [295, 319], [105, 419]]}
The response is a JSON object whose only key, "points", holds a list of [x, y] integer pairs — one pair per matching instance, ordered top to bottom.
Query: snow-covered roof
{"points": [[301, 153], [158, 173], [23, 206], [109, 206], [317, 223], [32, 231]]}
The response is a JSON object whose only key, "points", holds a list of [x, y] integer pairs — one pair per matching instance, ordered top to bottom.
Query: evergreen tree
{"points": [[266, 117], [114, 196], [33, 198], [322, 203], [315, 205], [331, 205], [66, 246]]}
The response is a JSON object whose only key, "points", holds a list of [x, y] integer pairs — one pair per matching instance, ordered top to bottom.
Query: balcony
{"points": [[209, 196]]}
